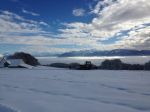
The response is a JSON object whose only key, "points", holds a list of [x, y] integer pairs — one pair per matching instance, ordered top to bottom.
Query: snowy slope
{"points": [[1, 55], [58, 90]]}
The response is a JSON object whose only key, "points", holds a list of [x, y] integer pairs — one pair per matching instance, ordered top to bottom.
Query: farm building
{"points": [[18, 63]]}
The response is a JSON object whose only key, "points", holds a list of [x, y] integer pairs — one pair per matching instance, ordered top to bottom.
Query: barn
{"points": [[18, 63]]}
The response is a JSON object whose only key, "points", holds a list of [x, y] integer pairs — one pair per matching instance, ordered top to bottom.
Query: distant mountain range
{"points": [[115, 52], [90, 53], [45, 55]]}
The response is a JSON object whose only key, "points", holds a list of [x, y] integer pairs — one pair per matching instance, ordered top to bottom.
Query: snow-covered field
{"points": [[59, 90]]}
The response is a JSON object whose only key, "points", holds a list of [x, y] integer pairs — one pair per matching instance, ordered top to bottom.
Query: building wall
{"points": [[2, 62]]}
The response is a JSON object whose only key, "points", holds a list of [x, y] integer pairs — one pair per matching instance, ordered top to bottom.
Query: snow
{"points": [[1, 55], [15, 62], [18, 62], [26, 66], [44, 89]]}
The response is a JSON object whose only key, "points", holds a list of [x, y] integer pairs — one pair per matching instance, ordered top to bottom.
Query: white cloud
{"points": [[101, 4], [30, 12], [78, 12], [122, 15], [112, 19], [13, 23], [43, 23], [15, 29], [139, 39], [38, 49]]}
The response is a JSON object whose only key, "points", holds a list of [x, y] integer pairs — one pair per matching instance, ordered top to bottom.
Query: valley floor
{"points": [[59, 90]]}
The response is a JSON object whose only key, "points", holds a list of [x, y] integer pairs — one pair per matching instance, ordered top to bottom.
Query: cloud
{"points": [[101, 5], [30, 12], [78, 12], [122, 15], [113, 18], [128, 21], [13, 23], [43, 23], [15, 29], [136, 39], [41, 49]]}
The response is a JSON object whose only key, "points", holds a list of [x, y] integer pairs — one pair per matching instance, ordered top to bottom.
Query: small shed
{"points": [[3, 62], [18, 63]]}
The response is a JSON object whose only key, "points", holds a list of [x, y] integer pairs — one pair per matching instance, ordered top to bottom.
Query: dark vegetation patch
{"points": [[27, 58], [115, 64]]}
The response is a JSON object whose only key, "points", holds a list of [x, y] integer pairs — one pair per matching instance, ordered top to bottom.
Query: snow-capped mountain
{"points": [[115, 52]]}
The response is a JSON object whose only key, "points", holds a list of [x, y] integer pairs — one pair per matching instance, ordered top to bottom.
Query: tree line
{"points": [[115, 64]]}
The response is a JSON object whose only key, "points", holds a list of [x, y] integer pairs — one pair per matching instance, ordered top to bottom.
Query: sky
{"points": [[58, 26]]}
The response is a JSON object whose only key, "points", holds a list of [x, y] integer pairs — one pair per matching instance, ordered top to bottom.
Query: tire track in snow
{"points": [[104, 85], [125, 90], [100, 100], [128, 104], [6, 109]]}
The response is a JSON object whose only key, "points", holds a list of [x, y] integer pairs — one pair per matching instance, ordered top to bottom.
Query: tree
{"points": [[27, 58], [115, 64], [59, 65], [147, 66], [136, 67]]}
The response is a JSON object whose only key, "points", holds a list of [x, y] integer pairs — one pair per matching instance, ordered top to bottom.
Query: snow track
{"points": [[72, 90], [6, 109]]}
